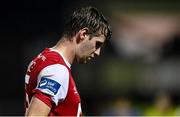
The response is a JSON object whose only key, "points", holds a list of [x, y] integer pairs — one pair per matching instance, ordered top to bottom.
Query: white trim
{"points": [[27, 79], [79, 110]]}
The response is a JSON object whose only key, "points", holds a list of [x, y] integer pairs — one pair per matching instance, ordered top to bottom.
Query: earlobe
{"points": [[78, 39]]}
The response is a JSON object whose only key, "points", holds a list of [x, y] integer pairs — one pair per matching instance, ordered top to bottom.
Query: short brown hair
{"points": [[90, 18]]}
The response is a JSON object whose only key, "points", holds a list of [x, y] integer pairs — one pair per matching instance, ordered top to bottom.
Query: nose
{"points": [[97, 52]]}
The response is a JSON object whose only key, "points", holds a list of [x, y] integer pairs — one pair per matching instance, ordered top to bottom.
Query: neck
{"points": [[67, 49]]}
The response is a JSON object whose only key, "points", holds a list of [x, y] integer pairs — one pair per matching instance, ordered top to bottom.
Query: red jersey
{"points": [[49, 79]]}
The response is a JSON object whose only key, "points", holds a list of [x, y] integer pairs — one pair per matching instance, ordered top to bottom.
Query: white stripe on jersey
{"points": [[27, 79], [79, 110]]}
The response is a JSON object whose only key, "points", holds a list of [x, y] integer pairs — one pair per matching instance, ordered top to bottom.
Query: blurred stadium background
{"points": [[137, 73]]}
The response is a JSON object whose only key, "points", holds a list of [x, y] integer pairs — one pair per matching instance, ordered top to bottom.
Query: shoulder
{"points": [[53, 56], [49, 58], [47, 61], [54, 69]]}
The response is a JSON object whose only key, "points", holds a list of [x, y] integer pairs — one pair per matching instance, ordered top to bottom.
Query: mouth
{"points": [[87, 59]]}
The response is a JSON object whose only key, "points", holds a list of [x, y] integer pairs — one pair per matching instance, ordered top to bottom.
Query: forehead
{"points": [[99, 38]]}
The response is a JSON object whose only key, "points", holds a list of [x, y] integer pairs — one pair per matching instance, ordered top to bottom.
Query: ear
{"points": [[82, 34]]}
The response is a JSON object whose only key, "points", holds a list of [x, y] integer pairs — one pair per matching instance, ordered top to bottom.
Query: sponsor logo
{"points": [[42, 83], [50, 85]]}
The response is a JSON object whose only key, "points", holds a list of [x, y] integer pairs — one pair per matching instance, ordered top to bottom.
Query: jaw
{"points": [[81, 60]]}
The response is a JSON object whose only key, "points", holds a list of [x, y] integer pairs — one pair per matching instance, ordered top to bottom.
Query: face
{"points": [[89, 48]]}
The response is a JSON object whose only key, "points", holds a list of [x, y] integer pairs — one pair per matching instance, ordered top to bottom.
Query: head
{"points": [[89, 29]]}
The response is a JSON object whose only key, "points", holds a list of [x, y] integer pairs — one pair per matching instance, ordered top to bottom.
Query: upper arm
{"points": [[53, 80], [52, 87], [37, 108]]}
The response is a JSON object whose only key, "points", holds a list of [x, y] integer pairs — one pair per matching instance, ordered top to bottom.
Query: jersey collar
{"points": [[67, 63]]}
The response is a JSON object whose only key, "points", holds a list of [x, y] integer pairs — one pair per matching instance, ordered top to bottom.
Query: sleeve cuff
{"points": [[44, 98]]}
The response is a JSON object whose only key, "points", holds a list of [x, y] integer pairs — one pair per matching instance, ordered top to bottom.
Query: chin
{"points": [[82, 61]]}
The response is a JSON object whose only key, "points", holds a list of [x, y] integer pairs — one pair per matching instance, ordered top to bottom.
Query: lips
{"points": [[89, 58]]}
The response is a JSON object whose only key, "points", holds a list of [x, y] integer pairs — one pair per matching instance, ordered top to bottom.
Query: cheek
{"points": [[87, 47]]}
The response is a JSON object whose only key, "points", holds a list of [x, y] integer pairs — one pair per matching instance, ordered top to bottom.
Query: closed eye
{"points": [[98, 44]]}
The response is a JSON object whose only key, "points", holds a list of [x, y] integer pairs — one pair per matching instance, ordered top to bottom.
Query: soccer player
{"points": [[49, 86]]}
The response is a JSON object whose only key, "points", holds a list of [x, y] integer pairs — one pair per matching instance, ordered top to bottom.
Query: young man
{"points": [[49, 85]]}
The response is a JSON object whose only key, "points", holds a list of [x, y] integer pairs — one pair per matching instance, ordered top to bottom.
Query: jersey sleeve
{"points": [[53, 80]]}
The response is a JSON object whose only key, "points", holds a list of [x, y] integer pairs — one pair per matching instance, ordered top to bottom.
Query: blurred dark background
{"points": [[138, 64]]}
